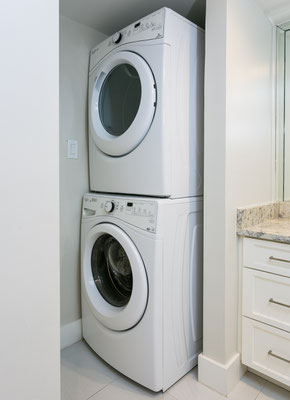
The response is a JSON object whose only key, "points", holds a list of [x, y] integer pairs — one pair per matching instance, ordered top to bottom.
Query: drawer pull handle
{"points": [[278, 259], [277, 302], [279, 358]]}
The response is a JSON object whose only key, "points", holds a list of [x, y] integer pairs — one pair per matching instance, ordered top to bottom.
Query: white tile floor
{"points": [[85, 376]]}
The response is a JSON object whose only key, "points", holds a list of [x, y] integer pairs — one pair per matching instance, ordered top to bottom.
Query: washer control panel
{"points": [[148, 28], [140, 213]]}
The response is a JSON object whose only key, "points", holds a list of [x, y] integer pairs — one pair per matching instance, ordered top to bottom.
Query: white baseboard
{"points": [[70, 333], [220, 377]]}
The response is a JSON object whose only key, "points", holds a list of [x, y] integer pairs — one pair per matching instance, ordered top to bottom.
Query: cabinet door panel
{"points": [[267, 256], [266, 298], [267, 350]]}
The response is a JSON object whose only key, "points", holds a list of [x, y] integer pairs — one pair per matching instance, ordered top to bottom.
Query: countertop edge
{"points": [[263, 235]]}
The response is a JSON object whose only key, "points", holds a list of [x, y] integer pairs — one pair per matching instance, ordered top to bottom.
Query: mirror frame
{"points": [[280, 109]]}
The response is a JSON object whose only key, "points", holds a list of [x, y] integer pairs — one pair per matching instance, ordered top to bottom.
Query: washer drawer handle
{"points": [[278, 259], [277, 302], [270, 352]]}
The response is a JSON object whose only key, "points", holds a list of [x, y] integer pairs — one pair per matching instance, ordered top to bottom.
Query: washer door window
{"points": [[123, 101], [112, 271], [114, 277]]}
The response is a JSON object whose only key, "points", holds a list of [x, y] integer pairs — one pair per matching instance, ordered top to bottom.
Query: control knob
{"points": [[117, 37], [109, 206]]}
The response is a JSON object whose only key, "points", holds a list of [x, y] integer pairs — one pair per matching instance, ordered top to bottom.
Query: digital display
{"points": [[129, 204]]}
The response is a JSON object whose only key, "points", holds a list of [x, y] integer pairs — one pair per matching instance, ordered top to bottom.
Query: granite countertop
{"points": [[268, 221]]}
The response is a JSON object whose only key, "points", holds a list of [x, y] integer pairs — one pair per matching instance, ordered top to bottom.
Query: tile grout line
{"points": [[263, 385], [98, 391], [258, 394]]}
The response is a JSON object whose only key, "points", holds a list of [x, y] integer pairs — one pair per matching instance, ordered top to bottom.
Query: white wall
{"points": [[76, 40], [238, 166], [29, 212]]}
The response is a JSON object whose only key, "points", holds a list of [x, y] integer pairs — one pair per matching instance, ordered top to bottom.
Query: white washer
{"points": [[146, 109], [142, 285]]}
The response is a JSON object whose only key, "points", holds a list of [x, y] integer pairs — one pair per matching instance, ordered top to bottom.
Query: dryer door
{"points": [[122, 96], [114, 277]]}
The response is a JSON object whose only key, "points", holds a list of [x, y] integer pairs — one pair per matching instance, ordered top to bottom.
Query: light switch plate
{"points": [[72, 148]]}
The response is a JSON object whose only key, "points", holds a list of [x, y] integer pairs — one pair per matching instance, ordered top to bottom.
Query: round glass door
{"points": [[122, 95], [119, 99], [112, 271], [114, 277]]}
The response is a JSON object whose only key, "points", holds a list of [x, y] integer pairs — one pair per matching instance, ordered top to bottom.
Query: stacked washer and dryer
{"points": [[141, 238]]}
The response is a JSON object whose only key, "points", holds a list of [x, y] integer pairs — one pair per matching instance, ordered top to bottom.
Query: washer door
{"points": [[122, 103], [114, 277]]}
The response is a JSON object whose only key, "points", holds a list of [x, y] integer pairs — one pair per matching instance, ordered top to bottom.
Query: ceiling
{"points": [[278, 11], [109, 16]]}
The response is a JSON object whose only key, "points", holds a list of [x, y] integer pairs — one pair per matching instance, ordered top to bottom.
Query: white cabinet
{"points": [[266, 308]]}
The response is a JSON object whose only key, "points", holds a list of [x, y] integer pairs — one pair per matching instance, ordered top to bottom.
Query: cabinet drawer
{"points": [[267, 256], [266, 297], [267, 350]]}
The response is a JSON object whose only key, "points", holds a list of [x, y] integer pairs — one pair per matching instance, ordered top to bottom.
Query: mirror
{"points": [[283, 112]]}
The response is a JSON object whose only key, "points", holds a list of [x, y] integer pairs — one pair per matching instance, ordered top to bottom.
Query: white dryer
{"points": [[146, 109], [142, 285]]}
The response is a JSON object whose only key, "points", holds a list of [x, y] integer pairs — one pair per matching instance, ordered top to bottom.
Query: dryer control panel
{"points": [[147, 28], [137, 212]]}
